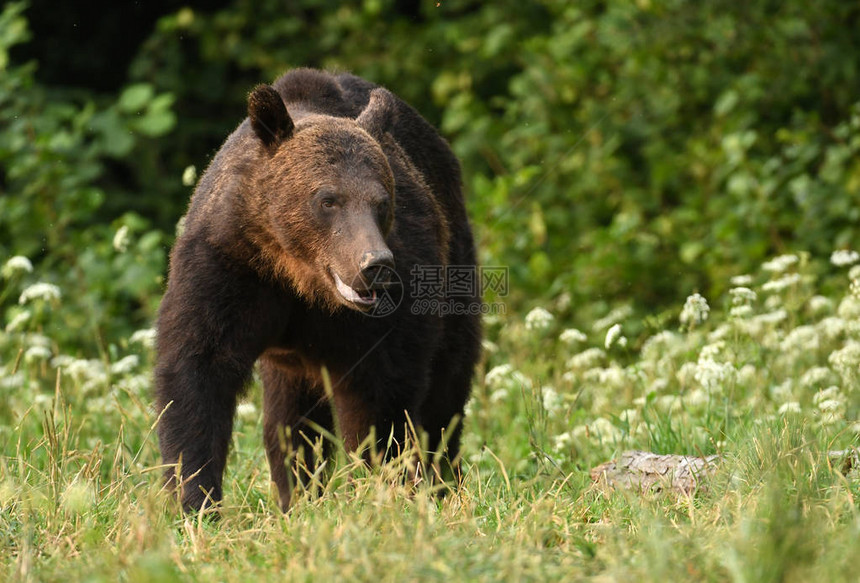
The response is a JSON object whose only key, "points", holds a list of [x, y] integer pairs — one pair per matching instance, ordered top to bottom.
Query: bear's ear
{"points": [[380, 114], [269, 116]]}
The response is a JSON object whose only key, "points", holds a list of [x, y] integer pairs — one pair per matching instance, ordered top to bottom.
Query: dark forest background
{"points": [[622, 153]]}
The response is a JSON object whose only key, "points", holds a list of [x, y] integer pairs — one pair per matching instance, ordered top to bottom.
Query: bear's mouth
{"points": [[366, 297]]}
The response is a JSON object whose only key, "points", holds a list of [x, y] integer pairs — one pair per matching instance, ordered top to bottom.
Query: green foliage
{"points": [[622, 152], [55, 207]]}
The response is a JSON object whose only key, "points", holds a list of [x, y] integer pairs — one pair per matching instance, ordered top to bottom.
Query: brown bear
{"points": [[301, 248]]}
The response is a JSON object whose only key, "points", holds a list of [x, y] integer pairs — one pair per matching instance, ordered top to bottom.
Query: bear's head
{"points": [[325, 198]]}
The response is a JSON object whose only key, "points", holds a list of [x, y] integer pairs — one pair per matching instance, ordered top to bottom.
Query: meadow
{"points": [[671, 185], [766, 376]]}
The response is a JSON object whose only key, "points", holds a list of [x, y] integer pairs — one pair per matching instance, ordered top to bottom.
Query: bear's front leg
{"points": [[213, 324], [371, 400]]}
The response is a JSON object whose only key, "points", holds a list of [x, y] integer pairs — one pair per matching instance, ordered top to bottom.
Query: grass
{"points": [[768, 380]]}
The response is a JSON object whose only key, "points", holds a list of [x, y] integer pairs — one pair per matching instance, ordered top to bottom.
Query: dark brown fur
{"points": [[251, 281]]}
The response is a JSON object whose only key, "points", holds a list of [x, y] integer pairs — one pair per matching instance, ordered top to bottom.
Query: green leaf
{"points": [[135, 97]]}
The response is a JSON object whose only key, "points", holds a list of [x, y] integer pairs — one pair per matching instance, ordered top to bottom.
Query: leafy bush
{"points": [[621, 152], [59, 207]]}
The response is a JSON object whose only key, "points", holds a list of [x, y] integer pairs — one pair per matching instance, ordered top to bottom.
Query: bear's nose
{"points": [[377, 267]]}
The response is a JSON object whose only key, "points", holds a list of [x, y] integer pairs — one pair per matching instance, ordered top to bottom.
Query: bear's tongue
{"points": [[353, 296]]}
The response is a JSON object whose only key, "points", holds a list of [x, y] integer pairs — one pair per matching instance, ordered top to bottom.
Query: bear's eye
{"points": [[328, 202], [383, 210]]}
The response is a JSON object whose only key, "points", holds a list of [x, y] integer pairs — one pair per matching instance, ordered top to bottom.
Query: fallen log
{"points": [[650, 472]]}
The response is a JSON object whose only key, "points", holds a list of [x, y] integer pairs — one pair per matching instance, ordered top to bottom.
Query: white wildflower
{"points": [[189, 175], [180, 226], [121, 239], [843, 257], [780, 264], [15, 266], [854, 273], [742, 280], [782, 283], [40, 291], [742, 296], [563, 301], [773, 302], [820, 304], [849, 308], [695, 311], [741, 312], [617, 315], [771, 318], [538, 319], [17, 323], [832, 327], [721, 332], [612, 335], [572, 336], [144, 337], [34, 339], [801, 339], [661, 343], [489, 346], [711, 351], [35, 353], [586, 359], [846, 360], [62, 361], [125, 365], [84, 370], [687, 373], [497, 374], [593, 375], [713, 375], [747, 375], [817, 376], [506, 377], [612, 377], [12, 381], [137, 384], [658, 386], [783, 392], [829, 394], [499, 395], [696, 399], [552, 401], [42, 402], [669, 403], [100, 405], [789, 407], [469, 408], [832, 409], [247, 411], [630, 416], [603, 430], [563, 440]]}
